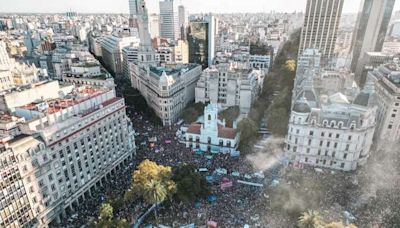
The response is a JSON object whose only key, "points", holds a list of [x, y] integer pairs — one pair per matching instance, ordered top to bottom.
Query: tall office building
{"points": [[133, 6], [168, 21], [182, 22], [372, 24], [154, 25], [320, 26], [202, 32]]}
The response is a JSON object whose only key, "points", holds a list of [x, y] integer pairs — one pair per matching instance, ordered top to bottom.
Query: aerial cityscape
{"points": [[188, 113]]}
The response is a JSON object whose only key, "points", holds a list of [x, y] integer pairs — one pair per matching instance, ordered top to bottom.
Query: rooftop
{"points": [[173, 70], [55, 105]]}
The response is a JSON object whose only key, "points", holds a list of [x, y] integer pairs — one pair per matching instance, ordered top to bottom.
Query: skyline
{"points": [[193, 6]]}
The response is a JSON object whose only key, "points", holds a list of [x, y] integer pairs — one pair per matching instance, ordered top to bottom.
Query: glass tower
{"points": [[370, 32]]}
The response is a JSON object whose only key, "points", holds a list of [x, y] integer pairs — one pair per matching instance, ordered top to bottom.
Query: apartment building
{"points": [[385, 80], [229, 86], [168, 90], [60, 148]]}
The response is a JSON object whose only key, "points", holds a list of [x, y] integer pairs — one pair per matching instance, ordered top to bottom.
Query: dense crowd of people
{"points": [[234, 206]]}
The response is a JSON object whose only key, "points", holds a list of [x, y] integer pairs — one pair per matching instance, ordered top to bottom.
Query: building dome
{"points": [[164, 78], [301, 106]]}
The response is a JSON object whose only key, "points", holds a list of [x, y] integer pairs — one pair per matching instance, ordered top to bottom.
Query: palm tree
{"points": [[155, 193], [310, 219]]}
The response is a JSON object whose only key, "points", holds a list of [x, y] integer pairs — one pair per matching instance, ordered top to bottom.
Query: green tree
{"points": [[193, 112], [230, 114], [278, 121], [248, 130], [152, 182], [190, 184], [155, 193], [106, 212], [310, 219]]}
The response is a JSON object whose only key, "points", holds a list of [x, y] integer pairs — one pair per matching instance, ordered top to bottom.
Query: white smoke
{"points": [[266, 154]]}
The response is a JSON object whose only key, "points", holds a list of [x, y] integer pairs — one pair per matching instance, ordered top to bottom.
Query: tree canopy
{"points": [[193, 112], [230, 115], [248, 131], [152, 182], [191, 186], [106, 212], [310, 219]]}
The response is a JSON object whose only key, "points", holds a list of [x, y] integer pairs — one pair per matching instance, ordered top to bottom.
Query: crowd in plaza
{"points": [[235, 206]]}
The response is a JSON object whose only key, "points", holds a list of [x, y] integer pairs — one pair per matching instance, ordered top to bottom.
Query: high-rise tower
{"points": [[320, 26], [169, 28], [202, 32], [370, 32]]}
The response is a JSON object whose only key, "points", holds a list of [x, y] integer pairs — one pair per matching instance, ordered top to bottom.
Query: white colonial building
{"points": [[229, 86], [212, 135]]}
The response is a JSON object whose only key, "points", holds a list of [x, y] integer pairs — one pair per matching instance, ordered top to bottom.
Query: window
{"points": [[209, 117], [390, 126], [311, 133], [322, 134], [330, 135], [337, 136], [349, 137], [309, 142], [320, 143], [308, 150], [333, 154], [345, 156], [306, 160], [342, 165]]}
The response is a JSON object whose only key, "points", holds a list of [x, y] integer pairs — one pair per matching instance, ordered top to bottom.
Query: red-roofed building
{"points": [[212, 135]]}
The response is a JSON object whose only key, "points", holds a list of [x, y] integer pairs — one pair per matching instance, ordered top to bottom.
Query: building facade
{"points": [[320, 26], [371, 27], [169, 28], [201, 37], [112, 54], [386, 82], [229, 86], [168, 90], [212, 135], [336, 135], [65, 146]]}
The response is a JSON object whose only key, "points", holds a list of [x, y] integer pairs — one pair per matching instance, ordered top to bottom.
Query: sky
{"points": [[193, 6]]}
